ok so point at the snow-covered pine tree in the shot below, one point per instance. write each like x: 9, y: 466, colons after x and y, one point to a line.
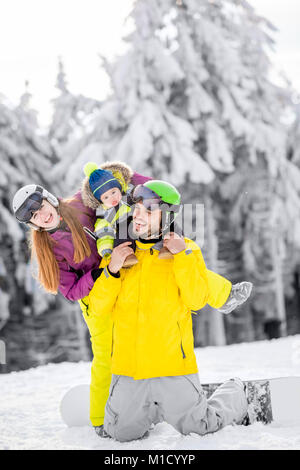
x: 206, y: 54
x: 34, y: 325
x: 294, y: 136
x: 71, y: 114
x: 135, y: 124
x: 190, y: 99
x: 236, y: 112
x: 180, y: 96
x: 25, y: 157
x: 265, y: 206
x: 293, y: 259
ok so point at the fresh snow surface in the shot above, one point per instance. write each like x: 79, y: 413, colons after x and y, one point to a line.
x: 29, y: 406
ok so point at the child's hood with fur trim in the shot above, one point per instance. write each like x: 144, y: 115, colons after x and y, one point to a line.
x: 120, y: 170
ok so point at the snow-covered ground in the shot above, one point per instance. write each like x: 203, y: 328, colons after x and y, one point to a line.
x: 29, y: 405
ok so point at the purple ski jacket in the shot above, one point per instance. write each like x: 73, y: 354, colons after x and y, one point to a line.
x: 76, y: 279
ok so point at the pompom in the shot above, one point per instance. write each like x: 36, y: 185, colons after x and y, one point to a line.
x: 89, y: 168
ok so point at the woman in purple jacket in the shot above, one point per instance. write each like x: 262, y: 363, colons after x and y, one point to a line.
x: 68, y: 262
x: 67, y: 259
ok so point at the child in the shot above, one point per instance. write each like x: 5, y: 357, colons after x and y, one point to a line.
x: 107, y: 188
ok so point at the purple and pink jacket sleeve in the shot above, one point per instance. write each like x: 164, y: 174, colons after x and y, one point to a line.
x: 139, y: 179
x: 71, y: 286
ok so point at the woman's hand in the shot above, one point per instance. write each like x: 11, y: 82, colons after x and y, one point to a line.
x: 118, y: 256
x: 174, y: 243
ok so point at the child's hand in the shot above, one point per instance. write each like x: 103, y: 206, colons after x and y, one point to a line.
x: 174, y: 243
x: 119, y: 255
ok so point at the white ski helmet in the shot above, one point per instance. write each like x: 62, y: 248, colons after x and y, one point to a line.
x: 28, y: 199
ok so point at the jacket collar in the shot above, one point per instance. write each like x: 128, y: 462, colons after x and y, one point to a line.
x: 60, y: 230
x: 155, y: 243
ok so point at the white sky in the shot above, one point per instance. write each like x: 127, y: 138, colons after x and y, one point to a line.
x: 33, y: 33
x: 285, y: 15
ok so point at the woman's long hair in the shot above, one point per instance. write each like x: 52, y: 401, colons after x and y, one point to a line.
x: 41, y: 245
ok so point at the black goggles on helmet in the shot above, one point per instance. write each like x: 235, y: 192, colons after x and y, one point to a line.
x: 150, y: 200
x: 29, y: 207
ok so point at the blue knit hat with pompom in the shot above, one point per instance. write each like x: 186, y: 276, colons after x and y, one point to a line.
x: 100, y: 180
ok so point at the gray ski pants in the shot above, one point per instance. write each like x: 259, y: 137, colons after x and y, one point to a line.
x: 133, y: 405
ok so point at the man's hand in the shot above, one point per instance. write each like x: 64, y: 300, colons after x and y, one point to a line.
x: 118, y: 256
x: 174, y: 243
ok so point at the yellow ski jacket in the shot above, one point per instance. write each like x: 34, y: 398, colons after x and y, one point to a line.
x: 150, y: 305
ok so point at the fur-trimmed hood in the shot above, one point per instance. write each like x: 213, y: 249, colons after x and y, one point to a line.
x: 120, y: 170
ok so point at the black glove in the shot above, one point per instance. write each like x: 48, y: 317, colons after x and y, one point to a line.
x: 99, y: 430
x: 96, y: 273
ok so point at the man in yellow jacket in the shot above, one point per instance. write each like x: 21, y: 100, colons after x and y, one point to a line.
x: 155, y: 374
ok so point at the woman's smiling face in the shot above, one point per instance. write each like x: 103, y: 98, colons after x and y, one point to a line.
x: 46, y: 217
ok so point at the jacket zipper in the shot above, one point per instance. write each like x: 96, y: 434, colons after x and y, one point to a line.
x: 112, y: 341
x: 182, y: 350
x: 86, y: 307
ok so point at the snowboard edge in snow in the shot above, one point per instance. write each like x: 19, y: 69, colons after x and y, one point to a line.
x: 276, y: 399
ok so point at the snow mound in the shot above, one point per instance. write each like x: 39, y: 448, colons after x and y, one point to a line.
x: 30, y: 419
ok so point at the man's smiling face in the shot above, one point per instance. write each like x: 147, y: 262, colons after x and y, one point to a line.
x: 146, y: 223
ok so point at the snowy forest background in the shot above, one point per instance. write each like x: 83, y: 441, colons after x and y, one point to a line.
x: 192, y: 102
